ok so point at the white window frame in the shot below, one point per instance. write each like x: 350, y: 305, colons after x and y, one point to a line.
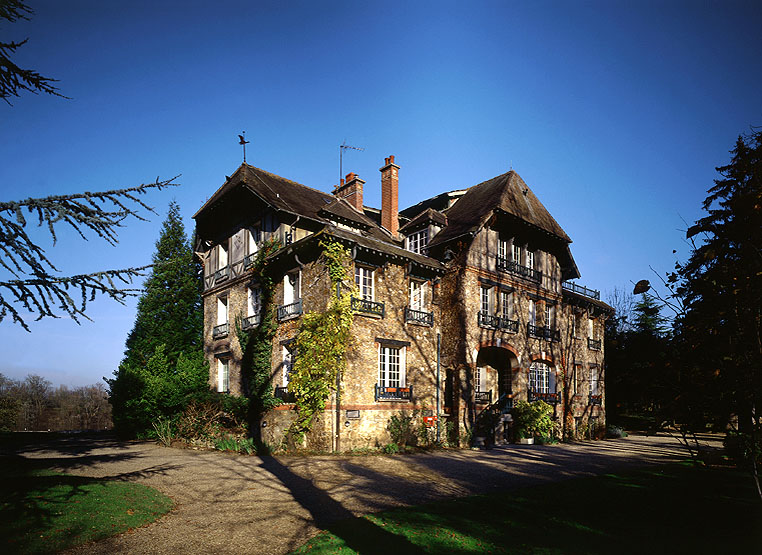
x: 541, y: 378
x: 480, y: 379
x: 487, y: 300
x: 223, y: 375
x: 365, y: 280
x: 591, y: 328
x: 550, y: 316
x: 502, y: 249
x: 390, y: 356
x: 222, y: 310
x: 292, y: 285
x: 417, y: 295
x: 530, y: 259
x: 222, y: 255
x: 516, y: 253
x: 253, y: 237
x: 288, y: 357
x: 506, y: 304
x: 595, y: 379
x: 576, y: 370
x: 417, y: 242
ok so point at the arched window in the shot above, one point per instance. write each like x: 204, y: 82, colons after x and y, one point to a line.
x: 542, y: 378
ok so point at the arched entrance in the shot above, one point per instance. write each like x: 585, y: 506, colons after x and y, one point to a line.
x: 494, y: 371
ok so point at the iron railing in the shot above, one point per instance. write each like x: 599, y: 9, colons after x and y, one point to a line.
x: 594, y: 344
x: 222, y: 274
x: 291, y: 310
x: 283, y: 394
x: 220, y: 331
x: 596, y: 399
x: 384, y: 393
x: 419, y: 316
x: 367, y: 306
x: 515, y: 268
x: 543, y: 333
x: 497, y: 322
x: 248, y: 260
x: 549, y: 397
x: 252, y: 321
x: 582, y: 290
x: 483, y: 397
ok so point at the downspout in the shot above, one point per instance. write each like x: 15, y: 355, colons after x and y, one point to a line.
x: 439, y: 343
x: 338, y: 394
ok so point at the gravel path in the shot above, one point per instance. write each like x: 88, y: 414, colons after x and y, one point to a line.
x: 240, y: 504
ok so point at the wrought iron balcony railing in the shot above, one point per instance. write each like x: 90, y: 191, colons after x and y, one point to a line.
x: 549, y: 397
x: 594, y: 344
x: 367, y: 306
x: 517, y: 269
x: 543, y: 333
x: 222, y: 274
x: 251, y: 321
x: 248, y: 260
x: 220, y: 331
x: 384, y: 393
x: 497, y: 322
x: 419, y: 316
x: 483, y: 397
x: 283, y: 394
x: 596, y: 399
x: 291, y: 310
x: 582, y: 290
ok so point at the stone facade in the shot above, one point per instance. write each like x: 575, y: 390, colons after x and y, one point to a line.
x: 451, y: 326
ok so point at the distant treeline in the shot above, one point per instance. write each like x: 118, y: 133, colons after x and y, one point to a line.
x: 34, y: 404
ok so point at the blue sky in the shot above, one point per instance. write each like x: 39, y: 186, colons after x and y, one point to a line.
x: 614, y: 113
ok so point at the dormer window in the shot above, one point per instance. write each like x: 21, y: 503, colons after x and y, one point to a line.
x: 416, y: 242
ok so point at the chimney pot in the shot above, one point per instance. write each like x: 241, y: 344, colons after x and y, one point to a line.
x: 390, y: 196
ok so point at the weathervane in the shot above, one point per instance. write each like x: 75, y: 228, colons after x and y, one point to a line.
x: 342, y: 147
x: 243, y: 142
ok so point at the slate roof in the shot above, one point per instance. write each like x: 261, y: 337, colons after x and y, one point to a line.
x: 506, y: 192
x: 428, y: 215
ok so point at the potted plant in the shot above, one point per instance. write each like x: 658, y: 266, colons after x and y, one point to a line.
x: 531, y: 420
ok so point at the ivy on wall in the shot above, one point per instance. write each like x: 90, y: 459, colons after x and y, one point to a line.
x: 321, y: 345
x: 256, y: 343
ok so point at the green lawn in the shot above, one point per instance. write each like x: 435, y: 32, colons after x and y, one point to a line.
x: 677, y: 509
x: 42, y: 511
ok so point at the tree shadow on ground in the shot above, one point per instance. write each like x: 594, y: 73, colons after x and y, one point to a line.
x: 328, y: 514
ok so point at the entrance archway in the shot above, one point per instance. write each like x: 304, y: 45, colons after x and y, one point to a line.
x: 500, y: 361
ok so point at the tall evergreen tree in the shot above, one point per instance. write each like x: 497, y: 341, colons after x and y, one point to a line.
x: 164, y: 365
x: 169, y: 310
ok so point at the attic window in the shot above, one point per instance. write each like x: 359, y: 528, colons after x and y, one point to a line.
x: 416, y: 242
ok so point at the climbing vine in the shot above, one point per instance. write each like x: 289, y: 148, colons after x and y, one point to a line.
x: 256, y: 343
x: 321, y: 345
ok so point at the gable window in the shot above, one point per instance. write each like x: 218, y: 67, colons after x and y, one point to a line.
x: 364, y: 282
x: 417, y: 295
x: 223, y: 375
x: 416, y: 242
x: 391, y: 366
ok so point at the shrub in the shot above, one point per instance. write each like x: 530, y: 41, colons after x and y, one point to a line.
x: 391, y: 448
x: 532, y: 419
x: 402, y: 428
x: 165, y: 430
x: 615, y: 432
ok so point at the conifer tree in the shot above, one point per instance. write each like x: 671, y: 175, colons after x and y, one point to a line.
x: 164, y: 364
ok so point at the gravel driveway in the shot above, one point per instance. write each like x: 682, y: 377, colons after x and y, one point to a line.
x: 242, y: 504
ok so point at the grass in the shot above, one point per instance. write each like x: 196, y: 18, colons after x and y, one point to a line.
x: 676, y: 509
x: 43, y: 511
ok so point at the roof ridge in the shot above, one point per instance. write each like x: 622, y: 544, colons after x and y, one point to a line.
x: 270, y: 174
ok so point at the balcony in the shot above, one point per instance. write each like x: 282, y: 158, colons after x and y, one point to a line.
x: 251, y: 321
x: 548, y: 397
x: 288, y: 311
x: 218, y: 332
x: 497, y: 322
x: 505, y: 265
x: 483, y: 397
x: 283, y: 394
x: 248, y: 260
x: 582, y: 290
x: 543, y: 333
x: 394, y: 393
x: 419, y: 317
x: 222, y: 274
x: 366, y: 306
x: 594, y: 344
x: 596, y: 400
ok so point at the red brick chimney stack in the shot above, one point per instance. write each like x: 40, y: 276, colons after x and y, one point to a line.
x: 351, y: 190
x: 390, y: 196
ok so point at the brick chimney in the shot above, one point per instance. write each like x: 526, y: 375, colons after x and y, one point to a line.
x: 351, y: 190
x: 390, y: 196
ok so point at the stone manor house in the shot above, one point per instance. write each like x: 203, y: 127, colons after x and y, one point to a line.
x: 464, y: 303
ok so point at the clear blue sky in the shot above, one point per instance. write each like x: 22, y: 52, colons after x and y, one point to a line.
x: 614, y: 113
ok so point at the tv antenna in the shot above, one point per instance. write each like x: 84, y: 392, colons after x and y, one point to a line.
x: 243, y: 142
x: 342, y: 147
